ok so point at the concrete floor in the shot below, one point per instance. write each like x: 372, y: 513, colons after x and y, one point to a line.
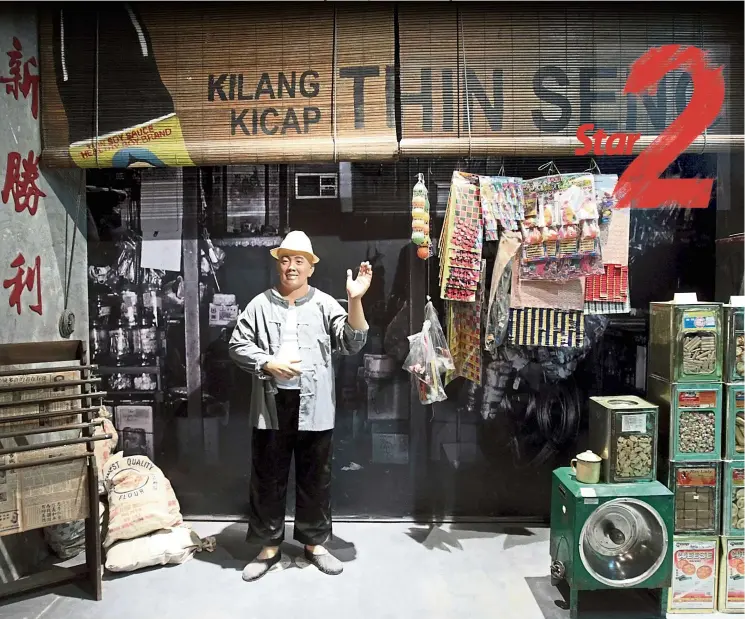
x: 391, y: 571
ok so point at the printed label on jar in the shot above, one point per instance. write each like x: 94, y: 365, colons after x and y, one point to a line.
x: 735, y: 575
x: 636, y: 422
x: 699, y: 320
x: 694, y: 575
x: 696, y: 477
x: 738, y: 477
x: 150, y: 299
x: 697, y: 399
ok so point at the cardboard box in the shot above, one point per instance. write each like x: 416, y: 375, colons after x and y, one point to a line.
x: 695, y: 571
x: 447, y: 432
x: 40, y: 496
x: 732, y: 576
x: 390, y: 448
x: 136, y: 428
x: 387, y: 400
x: 223, y: 315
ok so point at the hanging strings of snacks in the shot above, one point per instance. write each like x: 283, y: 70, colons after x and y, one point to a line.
x: 420, y: 218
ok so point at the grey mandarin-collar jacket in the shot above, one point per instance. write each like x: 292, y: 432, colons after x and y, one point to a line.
x: 322, y: 327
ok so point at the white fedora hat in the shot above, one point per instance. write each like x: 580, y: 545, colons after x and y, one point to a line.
x: 296, y: 242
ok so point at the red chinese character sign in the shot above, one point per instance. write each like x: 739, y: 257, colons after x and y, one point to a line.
x: 21, y: 176
x: 26, y: 279
x: 26, y: 83
x: 640, y: 186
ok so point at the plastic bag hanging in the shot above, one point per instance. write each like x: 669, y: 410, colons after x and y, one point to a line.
x: 420, y: 218
x: 437, y: 338
x: 421, y: 362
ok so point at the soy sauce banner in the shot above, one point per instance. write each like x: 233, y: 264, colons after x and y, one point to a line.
x: 213, y: 83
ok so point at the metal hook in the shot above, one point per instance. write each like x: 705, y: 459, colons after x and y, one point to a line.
x: 549, y: 166
x: 593, y: 166
x: 501, y: 170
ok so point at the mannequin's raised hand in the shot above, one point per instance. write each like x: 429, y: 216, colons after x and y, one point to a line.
x: 357, y: 287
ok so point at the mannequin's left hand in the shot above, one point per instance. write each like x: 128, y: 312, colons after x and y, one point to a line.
x: 357, y: 288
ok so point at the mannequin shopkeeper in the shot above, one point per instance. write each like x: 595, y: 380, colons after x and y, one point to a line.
x: 284, y: 339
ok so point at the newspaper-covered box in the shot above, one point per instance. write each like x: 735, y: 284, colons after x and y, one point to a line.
x: 51, y: 493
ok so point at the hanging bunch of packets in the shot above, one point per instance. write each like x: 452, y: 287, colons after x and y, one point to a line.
x: 464, y: 335
x: 560, y: 230
x: 501, y: 202
x: 461, y: 240
x: 608, y: 293
x: 533, y: 326
x: 420, y: 218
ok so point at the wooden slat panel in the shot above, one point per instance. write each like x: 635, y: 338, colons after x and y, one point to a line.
x: 365, y: 119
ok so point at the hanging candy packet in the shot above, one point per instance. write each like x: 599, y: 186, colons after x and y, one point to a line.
x: 420, y: 218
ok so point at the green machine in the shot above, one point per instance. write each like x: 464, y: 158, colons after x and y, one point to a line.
x: 610, y: 536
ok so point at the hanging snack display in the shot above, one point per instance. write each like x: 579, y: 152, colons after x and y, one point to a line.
x: 623, y: 430
x: 461, y: 240
x: 546, y: 327
x: 734, y: 343
x: 608, y: 293
x: 420, y: 218
x: 685, y: 341
x: 734, y: 499
x: 605, y: 186
x: 735, y: 422
x: 464, y: 336
x: 697, y: 489
x: 694, y: 582
x: 560, y: 230
x: 502, y: 204
x: 690, y: 419
x: 732, y: 576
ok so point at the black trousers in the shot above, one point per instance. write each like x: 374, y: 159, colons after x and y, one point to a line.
x: 272, y: 455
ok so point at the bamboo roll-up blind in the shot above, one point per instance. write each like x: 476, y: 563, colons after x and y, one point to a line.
x: 220, y: 84
x: 365, y: 82
x: 537, y: 72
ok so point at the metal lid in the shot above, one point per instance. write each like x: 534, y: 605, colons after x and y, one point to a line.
x: 589, y: 456
x: 623, y: 542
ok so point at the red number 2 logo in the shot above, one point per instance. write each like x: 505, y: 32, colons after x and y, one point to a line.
x: 640, y: 185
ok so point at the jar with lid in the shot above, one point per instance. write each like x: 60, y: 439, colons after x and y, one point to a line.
x: 99, y: 340
x: 145, y: 381
x: 129, y: 308
x: 103, y: 309
x: 120, y: 381
x: 152, y: 304
x: 145, y: 342
x: 120, y: 342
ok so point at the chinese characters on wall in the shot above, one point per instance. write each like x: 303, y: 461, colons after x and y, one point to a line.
x: 20, y: 186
